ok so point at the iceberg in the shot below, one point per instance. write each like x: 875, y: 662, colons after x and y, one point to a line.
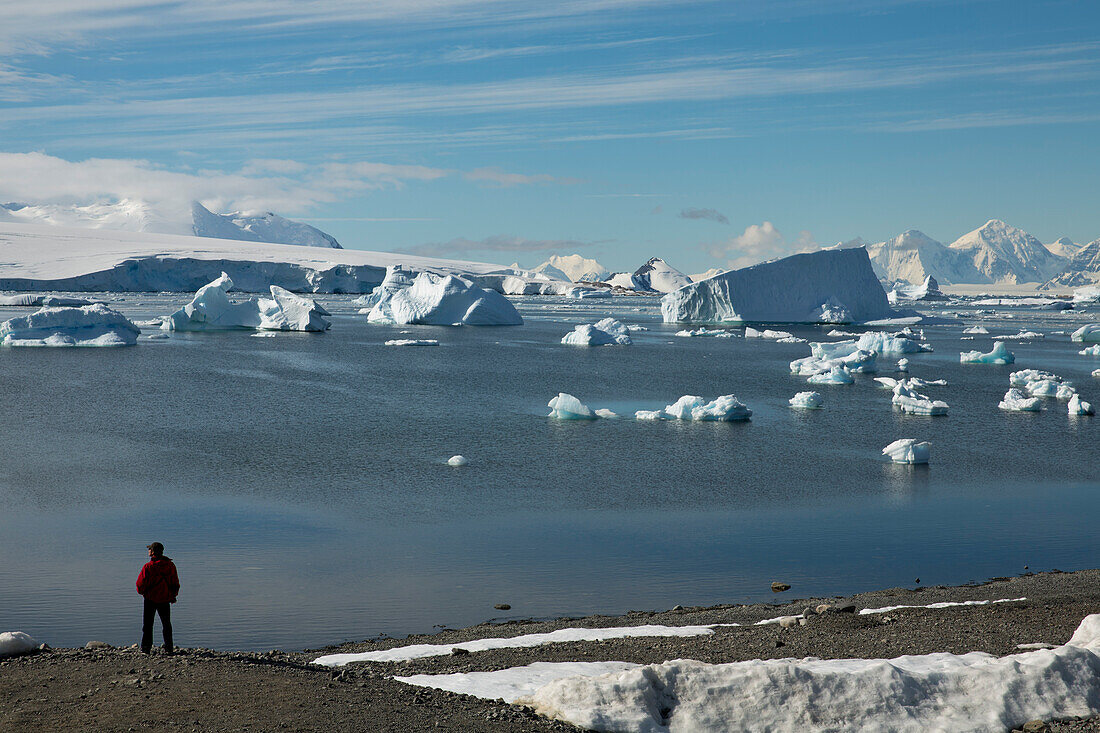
x: 1078, y: 406
x: 807, y: 401
x: 715, y: 332
x: 788, y: 290
x: 607, y: 332
x: 1017, y: 401
x: 1025, y: 376
x: 884, y: 343
x: 89, y: 325
x: 655, y: 276
x: 29, y: 300
x: 833, y: 311
x: 567, y: 407
x: 977, y: 329
x: 835, y: 375
x: 1089, y: 333
x: 908, y: 450
x: 412, y: 342
x: 726, y: 408
x: 826, y: 356
x: 438, y: 300
x: 928, y: 290
x: 913, y: 403
x: 1093, y: 350
x: 1023, y: 336
x: 211, y: 310
x: 649, y: 415
x: 752, y: 333
x: 457, y: 461
x: 999, y: 355
x: 586, y: 293
x: 1086, y: 295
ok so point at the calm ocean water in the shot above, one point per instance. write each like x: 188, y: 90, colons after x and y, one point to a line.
x: 300, y: 482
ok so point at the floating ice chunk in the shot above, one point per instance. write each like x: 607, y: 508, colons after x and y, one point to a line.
x: 790, y: 340
x: 1023, y: 336
x: 606, y: 414
x: 716, y: 332
x: 13, y: 643
x: 649, y: 415
x: 567, y: 407
x: 586, y: 293
x: 919, y: 383
x: 903, y: 365
x: 89, y: 325
x: 26, y: 300
x: 439, y: 300
x: 884, y: 343
x: 908, y: 450
x: 607, y: 332
x: 976, y: 329
x: 825, y: 356
x: 914, y: 403
x: 1089, y: 333
x: 999, y: 355
x: 1026, y: 376
x: 156, y: 336
x: 1042, y: 388
x: 264, y: 335
x: 807, y: 400
x: 681, y: 409
x: 1093, y: 350
x: 726, y: 408
x: 1065, y: 391
x: 1017, y: 401
x: 457, y: 461
x: 887, y: 382
x: 752, y: 333
x: 412, y: 342
x: 1096, y: 373
x: 1078, y: 406
x: 211, y: 309
x: 835, y: 375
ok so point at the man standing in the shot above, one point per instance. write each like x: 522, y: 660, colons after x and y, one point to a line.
x: 160, y: 585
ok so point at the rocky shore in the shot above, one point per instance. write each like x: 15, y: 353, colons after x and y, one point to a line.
x: 109, y: 689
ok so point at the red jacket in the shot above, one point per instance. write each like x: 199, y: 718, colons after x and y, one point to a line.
x: 158, y: 581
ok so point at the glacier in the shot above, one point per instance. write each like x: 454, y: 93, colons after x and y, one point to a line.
x: 89, y: 325
x: 211, y: 310
x: 439, y: 300
x: 789, y: 290
x: 908, y: 450
x: 607, y: 332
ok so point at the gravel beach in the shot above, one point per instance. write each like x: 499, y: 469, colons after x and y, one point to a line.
x: 108, y: 689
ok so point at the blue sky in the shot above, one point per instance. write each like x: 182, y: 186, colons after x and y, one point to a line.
x: 709, y: 133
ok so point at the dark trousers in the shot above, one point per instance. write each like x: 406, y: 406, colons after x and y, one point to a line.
x: 164, y: 610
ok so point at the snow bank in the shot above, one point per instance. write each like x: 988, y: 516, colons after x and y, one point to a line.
x: 1017, y: 401
x: 607, y: 332
x: 560, y: 636
x: 438, y: 300
x: 16, y: 642
x: 807, y: 401
x: 973, y: 692
x: 908, y: 450
x: 914, y: 403
x: 211, y: 310
x: 1078, y: 406
x: 513, y: 683
x: 790, y: 290
x: 89, y: 325
x: 1089, y: 333
x: 999, y: 355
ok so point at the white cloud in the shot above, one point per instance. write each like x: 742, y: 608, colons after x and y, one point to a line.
x: 760, y: 242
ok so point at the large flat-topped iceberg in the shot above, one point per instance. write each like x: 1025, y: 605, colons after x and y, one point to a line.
x: 801, y: 288
x: 439, y: 300
x: 211, y: 310
x: 89, y: 325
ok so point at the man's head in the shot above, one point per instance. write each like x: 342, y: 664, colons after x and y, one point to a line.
x: 156, y: 549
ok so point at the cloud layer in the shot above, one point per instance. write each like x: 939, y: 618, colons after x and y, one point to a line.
x: 759, y: 242
x: 708, y: 214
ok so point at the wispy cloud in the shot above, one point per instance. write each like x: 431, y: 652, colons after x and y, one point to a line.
x: 707, y: 214
x: 759, y: 242
x: 499, y: 243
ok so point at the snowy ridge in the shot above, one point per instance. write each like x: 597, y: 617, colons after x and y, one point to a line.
x: 913, y: 256
x: 655, y: 276
x: 257, y: 227
x: 1003, y: 253
x: 574, y: 267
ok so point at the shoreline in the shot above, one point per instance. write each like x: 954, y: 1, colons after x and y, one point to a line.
x: 202, y: 689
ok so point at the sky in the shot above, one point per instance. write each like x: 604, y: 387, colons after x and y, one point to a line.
x: 713, y: 134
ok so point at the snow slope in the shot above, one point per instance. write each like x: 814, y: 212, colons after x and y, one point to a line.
x: 788, y: 290
x: 1003, y: 253
x: 655, y: 276
x: 574, y: 267
x: 913, y: 256
x: 47, y: 257
x: 1064, y: 247
x: 256, y: 227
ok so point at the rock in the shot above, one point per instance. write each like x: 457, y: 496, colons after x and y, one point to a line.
x: 807, y: 612
x: 802, y: 621
x: 677, y: 607
x: 97, y: 645
x: 846, y: 609
x: 1035, y: 726
x: 824, y: 608
x: 459, y: 651
x: 502, y: 607
x: 778, y: 587
x: 779, y: 643
x: 788, y: 622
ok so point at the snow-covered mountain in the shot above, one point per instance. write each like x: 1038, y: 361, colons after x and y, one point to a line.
x: 1064, y: 247
x: 912, y: 256
x: 574, y: 267
x: 698, y: 277
x: 1005, y: 254
x: 655, y: 276
x: 1083, y: 268
x: 136, y: 215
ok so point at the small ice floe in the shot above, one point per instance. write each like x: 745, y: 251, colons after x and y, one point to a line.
x: 837, y: 333
x: 1023, y: 336
x: 587, y: 293
x: 999, y: 355
x: 649, y: 415
x: 13, y: 643
x: 1017, y: 401
x: 264, y: 335
x: 607, y: 414
x: 607, y: 332
x: 1093, y: 350
x: 1096, y: 373
x: 715, y: 332
x: 807, y: 401
x: 966, y: 338
x: 1050, y: 388
x: 211, y: 310
x: 412, y: 342
x: 457, y: 461
x: 1089, y: 333
x: 790, y: 340
x: 636, y: 327
x: 903, y: 365
x: 913, y: 403
x: 726, y: 408
x: 1025, y: 377
x: 1078, y: 406
x: 886, y: 344
x: 825, y: 355
x: 976, y: 329
x: 908, y: 450
x: 835, y: 375
x: 156, y: 336
x: 151, y: 323
x: 752, y: 333
x: 89, y: 325
x: 567, y: 407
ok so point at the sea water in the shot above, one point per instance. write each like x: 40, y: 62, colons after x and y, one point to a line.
x: 301, y: 483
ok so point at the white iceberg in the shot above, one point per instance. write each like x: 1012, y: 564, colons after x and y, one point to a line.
x: 885, y: 344
x: 567, y: 407
x: 928, y: 290
x: 1023, y: 336
x: 807, y: 401
x: 1017, y: 401
x: 586, y: 293
x: 13, y: 643
x: 1089, y: 294
x: 833, y: 311
x: 1093, y: 350
x: 715, y: 332
x: 27, y: 300
x: 412, y: 342
x: 767, y: 333
x: 977, y: 329
x: 908, y: 450
x: 789, y: 290
x: 834, y: 375
x: 999, y: 355
x: 438, y: 300
x: 1025, y: 377
x: 1078, y: 406
x: 607, y: 332
x: 826, y: 356
x: 649, y: 415
x: 89, y: 325
x: 1089, y: 333
x: 457, y: 461
x: 211, y: 310
x: 655, y: 276
x: 913, y: 403
x: 726, y: 408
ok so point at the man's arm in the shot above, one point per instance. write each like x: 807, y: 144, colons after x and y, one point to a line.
x: 174, y: 582
x: 141, y: 581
